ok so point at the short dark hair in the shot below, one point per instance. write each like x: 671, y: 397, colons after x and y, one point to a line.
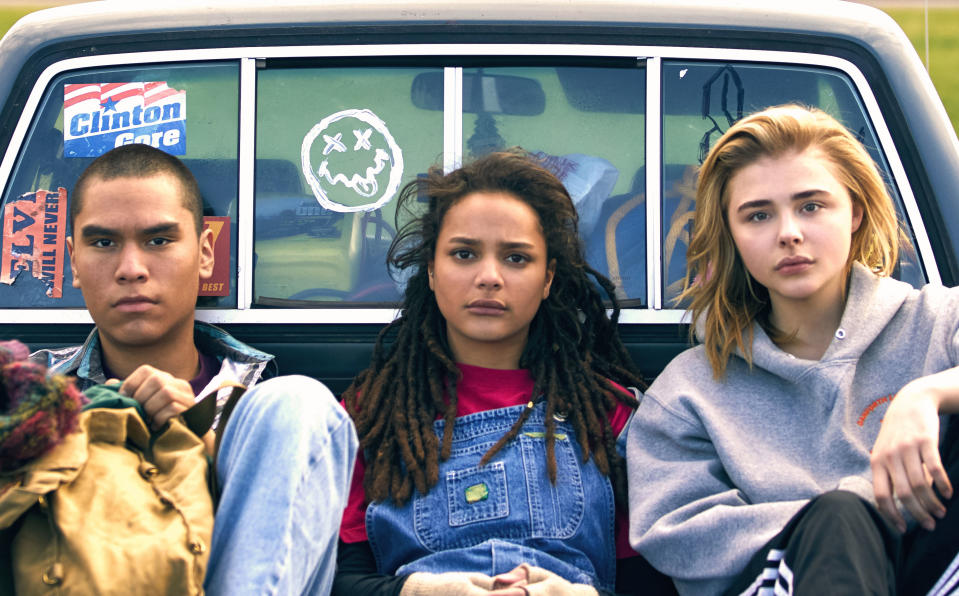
x: 140, y: 161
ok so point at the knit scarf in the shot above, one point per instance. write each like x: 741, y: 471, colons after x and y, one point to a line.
x: 36, y: 411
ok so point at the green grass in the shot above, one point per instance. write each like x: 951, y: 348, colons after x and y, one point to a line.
x: 11, y: 14
x: 943, y: 44
x: 943, y: 49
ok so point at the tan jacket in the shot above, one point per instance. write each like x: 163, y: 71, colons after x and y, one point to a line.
x: 106, y: 512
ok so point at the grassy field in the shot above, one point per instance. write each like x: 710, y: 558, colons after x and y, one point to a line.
x: 11, y: 14
x: 943, y: 49
x: 943, y: 44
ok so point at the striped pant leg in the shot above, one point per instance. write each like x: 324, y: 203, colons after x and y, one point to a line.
x: 837, y: 544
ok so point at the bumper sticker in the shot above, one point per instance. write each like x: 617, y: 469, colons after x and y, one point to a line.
x: 219, y: 282
x: 100, y: 116
x: 34, y: 228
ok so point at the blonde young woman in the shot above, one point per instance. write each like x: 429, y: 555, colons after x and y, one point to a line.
x: 800, y: 447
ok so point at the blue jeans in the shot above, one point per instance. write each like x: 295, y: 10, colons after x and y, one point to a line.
x: 285, y: 463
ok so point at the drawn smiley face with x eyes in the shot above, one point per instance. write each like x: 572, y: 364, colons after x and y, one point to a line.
x: 356, y: 158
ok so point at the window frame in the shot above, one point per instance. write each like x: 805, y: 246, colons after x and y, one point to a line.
x: 652, y: 56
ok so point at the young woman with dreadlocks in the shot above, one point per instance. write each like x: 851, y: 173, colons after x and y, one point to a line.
x: 489, y: 416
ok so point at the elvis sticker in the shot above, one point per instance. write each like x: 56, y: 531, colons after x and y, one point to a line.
x: 34, y: 228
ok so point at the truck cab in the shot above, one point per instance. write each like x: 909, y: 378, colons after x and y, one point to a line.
x: 301, y: 122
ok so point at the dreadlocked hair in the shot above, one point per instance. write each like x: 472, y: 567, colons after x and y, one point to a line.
x: 573, y: 350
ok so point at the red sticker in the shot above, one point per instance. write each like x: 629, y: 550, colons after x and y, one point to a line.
x: 34, y: 227
x: 219, y: 283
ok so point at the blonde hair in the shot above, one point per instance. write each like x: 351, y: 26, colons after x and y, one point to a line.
x: 723, y: 297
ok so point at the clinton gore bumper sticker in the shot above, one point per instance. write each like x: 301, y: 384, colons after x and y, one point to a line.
x: 100, y: 116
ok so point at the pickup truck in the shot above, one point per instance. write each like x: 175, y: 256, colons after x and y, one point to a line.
x: 301, y: 120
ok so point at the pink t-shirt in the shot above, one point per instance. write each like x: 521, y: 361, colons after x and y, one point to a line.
x: 479, y: 390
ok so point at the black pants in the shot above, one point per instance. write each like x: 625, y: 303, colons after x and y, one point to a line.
x: 840, y: 544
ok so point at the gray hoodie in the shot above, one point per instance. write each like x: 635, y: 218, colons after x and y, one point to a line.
x: 717, y: 468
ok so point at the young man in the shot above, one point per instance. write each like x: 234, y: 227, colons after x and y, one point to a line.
x: 138, y: 253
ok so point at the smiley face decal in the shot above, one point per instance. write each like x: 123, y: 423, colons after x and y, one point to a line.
x: 351, y: 161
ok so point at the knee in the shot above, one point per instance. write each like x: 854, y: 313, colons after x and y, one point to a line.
x: 840, y: 509
x: 836, y: 500
x: 293, y: 395
x: 291, y: 405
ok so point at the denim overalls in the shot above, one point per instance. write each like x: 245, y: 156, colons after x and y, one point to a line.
x: 493, y: 518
